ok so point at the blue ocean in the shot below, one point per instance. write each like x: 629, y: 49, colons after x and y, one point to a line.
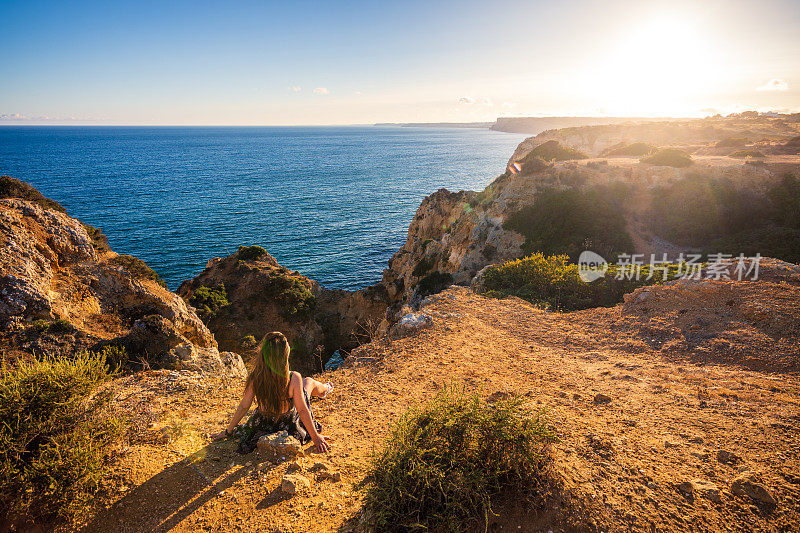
x: 331, y: 202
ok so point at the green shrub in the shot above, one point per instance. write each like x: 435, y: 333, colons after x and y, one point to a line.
x: 12, y: 188
x: 208, y: 301
x: 56, y: 327
x: 572, y: 220
x: 99, y: 239
x: 551, y: 151
x: 769, y: 241
x: 669, y: 157
x: 249, y: 342
x: 249, y: 253
x: 732, y: 142
x: 698, y: 209
x: 137, y: 268
x: 434, y: 282
x: 291, y: 293
x: 444, y: 462
x: 423, y: 266
x: 53, y: 438
x: 785, y: 200
x: 746, y: 153
x: 637, y: 149
x: 554, y: 283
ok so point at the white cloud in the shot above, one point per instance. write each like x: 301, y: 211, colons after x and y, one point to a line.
x: 774, y: 84
x: 321, y: 90
x: 509, y: 105
x: 468, y: 100
x: 295, y: 88
x: 358, y: 93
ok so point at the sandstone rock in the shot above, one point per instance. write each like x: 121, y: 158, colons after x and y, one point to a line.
x: 292, y: 484
x: 280, y: 446
x: 748, y: 484
x: 51, y: 269
x: 726, y: 457
x: 334, y: 476
x: 264, y: 296
x: 701, y: 488
x: 409, y: 324
x: 601, y: 398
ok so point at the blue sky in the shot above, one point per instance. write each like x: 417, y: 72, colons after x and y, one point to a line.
x: 364, y: 62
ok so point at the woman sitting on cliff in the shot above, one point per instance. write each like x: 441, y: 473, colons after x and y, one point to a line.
x: 282, y: 397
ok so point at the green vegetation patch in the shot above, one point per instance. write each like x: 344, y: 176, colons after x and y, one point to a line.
x: 669, y: 157
x: 554, y: 283
x: 208, y: 301
x: 291, y: 293
x: 550, y: 151
x: 717, y: 216
x: 637, y: 149
x: 446, y: 460
x: 572, y: 220
x: 99, y: 239
x: 55, y: 432
x: 732, y: 142
x: 13, y: 188
x: 55, y: 327
x: 434, y: 282
x: 746, y: 153
x: 137, y: 268
x: 249, y: 253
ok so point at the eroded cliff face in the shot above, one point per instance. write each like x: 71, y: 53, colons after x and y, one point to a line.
x: 61, y: 292
x: 454, y: 235
x: 255, y: 295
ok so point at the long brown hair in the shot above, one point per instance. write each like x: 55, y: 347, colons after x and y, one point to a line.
x: 270, y: 374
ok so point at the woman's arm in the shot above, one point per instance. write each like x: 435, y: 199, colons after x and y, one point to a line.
x: 241, y: 410
x: 296, y: 385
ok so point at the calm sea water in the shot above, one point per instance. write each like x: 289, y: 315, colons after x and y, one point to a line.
x: 331, y: 202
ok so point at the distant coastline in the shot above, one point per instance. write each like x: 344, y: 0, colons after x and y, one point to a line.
x: 467, y: 125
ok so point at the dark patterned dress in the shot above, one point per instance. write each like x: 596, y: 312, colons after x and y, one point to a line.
x: 260, y: 424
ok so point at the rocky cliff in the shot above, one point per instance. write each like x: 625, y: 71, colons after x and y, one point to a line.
x: 612, y: 204
x: 63, y: 291
x: 247, y: 294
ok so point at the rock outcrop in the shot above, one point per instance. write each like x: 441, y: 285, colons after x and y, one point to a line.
x: 62, y: 291
x: 454, y: 235
x: 248, y: 294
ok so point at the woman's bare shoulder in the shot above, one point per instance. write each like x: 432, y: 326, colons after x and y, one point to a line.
x: 295, y: 382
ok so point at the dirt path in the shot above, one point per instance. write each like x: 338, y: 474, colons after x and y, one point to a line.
x: 621, y: 460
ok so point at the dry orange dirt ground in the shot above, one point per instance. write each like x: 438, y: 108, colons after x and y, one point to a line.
x: 621, y: 461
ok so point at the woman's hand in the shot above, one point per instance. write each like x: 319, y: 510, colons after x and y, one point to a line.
x: 321, y: 442
x: 221, y: 435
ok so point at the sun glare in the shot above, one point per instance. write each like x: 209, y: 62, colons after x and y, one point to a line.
x: 659, y: 68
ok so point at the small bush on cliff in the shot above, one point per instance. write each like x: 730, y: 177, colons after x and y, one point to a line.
x: 572, y: 220
x: 554, y: 283
x: 208, y: 301
x: 637, y: 149
x: 433, y: 283
x: 12, y: 188
x: 746, y: 153
x: 54, y: 435
x: 99, y: 239
x: 552, y: 151
x: 444, y: 462
x: 291, y: 293
x: 732, y: 142
x: 137, y: 268
x: 669, y: 157
x: 249, y: 253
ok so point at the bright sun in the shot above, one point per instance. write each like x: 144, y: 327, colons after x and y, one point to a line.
x: 657, y: 69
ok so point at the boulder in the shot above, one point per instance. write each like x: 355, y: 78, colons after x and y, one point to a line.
x: 280, y: 446
x: 409, y: 324
x: 748, y: 484
x: 292, y: 484
x: 701, y: 488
